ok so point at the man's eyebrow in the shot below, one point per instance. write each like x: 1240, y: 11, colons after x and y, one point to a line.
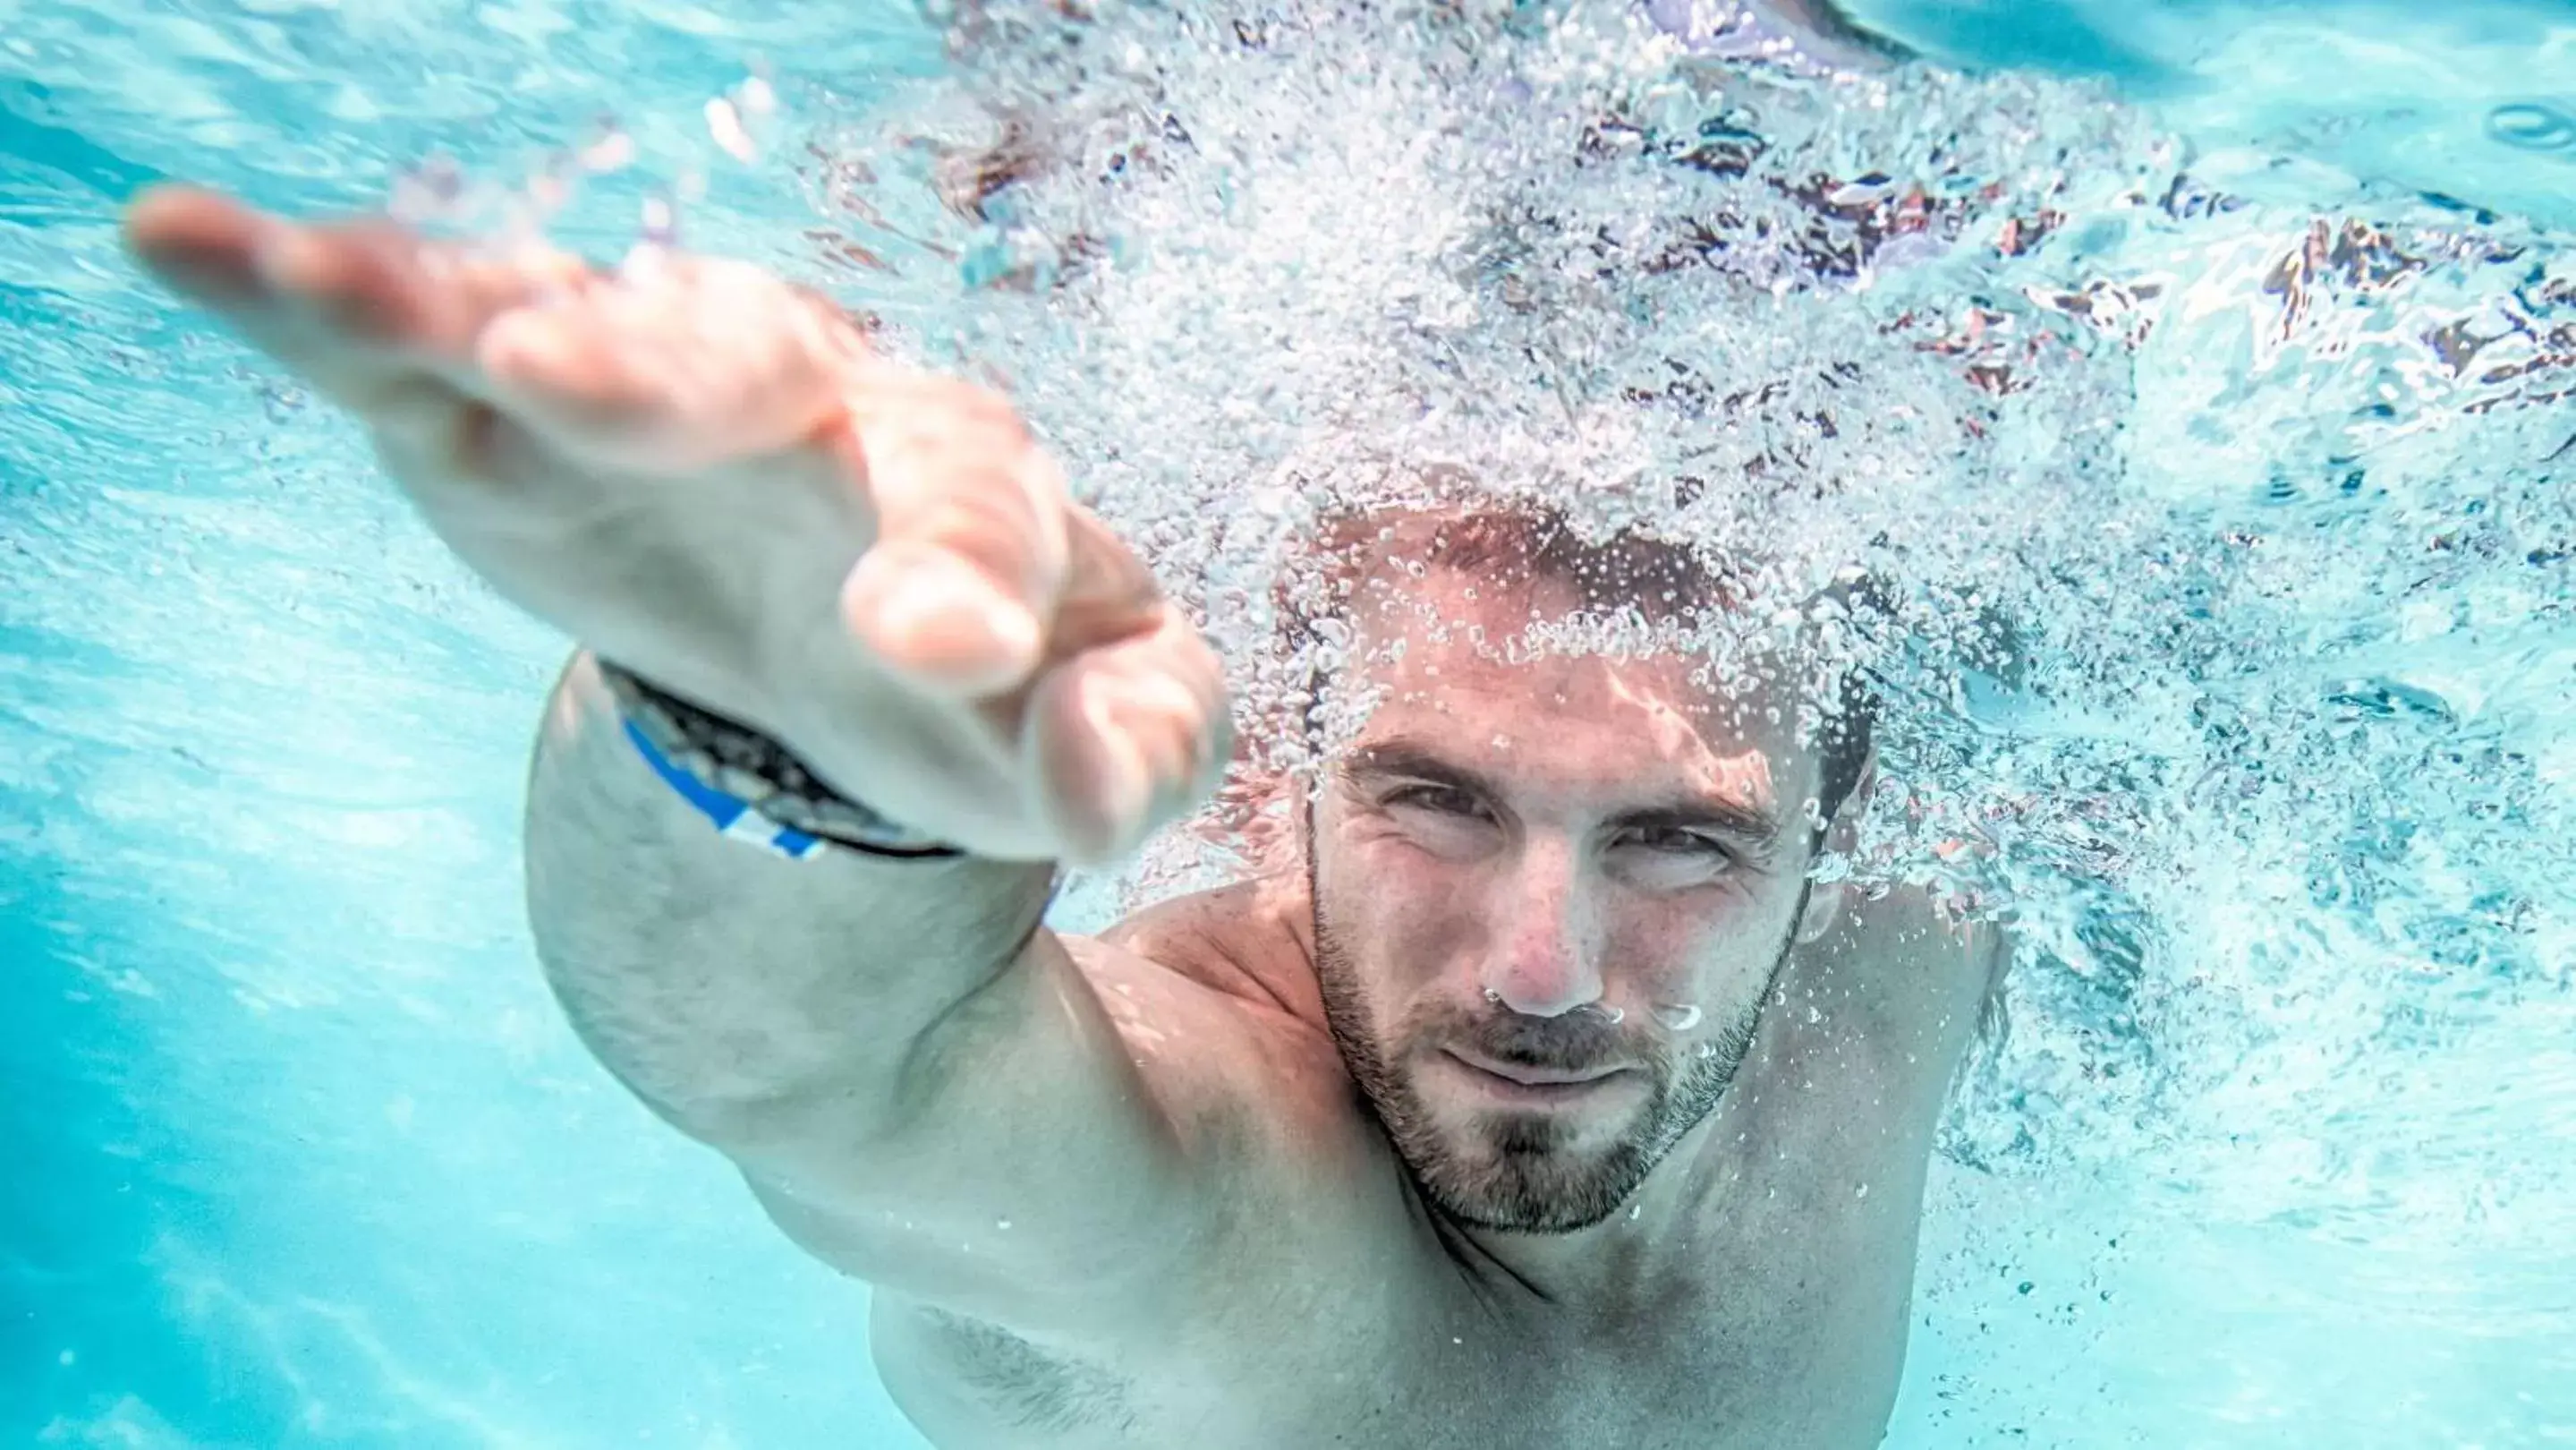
x: 1414, y: 762
x: 1749, y: 824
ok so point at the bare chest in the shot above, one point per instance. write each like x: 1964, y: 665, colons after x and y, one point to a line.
x: 1793, y: 1336
x: 1338, y: 1318
x: 1773, y: 1358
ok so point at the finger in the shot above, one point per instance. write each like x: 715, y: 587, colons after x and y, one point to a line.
x: 1126, y: 738
x: 1109, y: 594
x: 352, y: 307
x: 218, y: 253
x: 971, y: 551
x: 674, y: 366
x: 201, y: 245
x: 570, y: 369
x: 372, y: 285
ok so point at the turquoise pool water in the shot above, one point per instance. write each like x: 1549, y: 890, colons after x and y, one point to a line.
x: 2266, y: 319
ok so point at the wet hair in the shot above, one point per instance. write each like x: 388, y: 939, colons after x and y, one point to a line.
x: 1534, y: 543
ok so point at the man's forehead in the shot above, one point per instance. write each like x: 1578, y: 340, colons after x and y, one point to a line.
x: 1455, y: 666
x: 1530, y: 643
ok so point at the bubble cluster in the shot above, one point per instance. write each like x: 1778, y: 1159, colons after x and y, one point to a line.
x: 2218, y: 548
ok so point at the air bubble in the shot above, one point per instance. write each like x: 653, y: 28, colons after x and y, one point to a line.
x: 431, y: 193
x: 1678, y: 1016
x: 609, y: 149
x: 724, y: 124
x: 661, y: 222
x: 1618, y: 323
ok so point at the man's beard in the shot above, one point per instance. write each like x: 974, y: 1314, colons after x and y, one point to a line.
x: 1522, y: 1177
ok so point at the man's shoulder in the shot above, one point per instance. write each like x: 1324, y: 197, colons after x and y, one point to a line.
x: 1925, y: 973
x: 1216, y: 993
x: 1907, y: 926
x: 1249, y: 940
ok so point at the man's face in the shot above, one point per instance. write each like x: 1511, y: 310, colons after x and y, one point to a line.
x: 1550, y: 897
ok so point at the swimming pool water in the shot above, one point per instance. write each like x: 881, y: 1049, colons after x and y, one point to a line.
x: 2277, y: 1149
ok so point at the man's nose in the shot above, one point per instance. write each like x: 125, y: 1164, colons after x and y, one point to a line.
x: 1544, y: 964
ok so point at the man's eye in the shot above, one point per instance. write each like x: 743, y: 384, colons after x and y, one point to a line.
x: 1439, y: 799
x: 1675, y: 841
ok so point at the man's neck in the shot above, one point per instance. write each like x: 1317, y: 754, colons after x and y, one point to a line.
x: 1650, y: 1249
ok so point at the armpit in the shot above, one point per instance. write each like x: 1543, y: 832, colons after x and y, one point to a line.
x: 1033, y: 1389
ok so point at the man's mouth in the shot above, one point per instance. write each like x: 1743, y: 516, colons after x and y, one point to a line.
x: 1524, y: 1082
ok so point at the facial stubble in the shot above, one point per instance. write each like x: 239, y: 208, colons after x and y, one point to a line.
x: 1523, y: 1177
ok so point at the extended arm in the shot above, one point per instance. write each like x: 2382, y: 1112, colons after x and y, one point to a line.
x: 896, y: 1055
x: 706, y: 475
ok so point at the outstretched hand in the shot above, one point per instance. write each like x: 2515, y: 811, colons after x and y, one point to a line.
x: 707, y: 475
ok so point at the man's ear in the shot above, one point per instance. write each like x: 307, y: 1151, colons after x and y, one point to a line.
x: 1825, y: 904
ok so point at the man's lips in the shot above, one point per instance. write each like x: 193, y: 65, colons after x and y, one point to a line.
x: 1528, y: 1076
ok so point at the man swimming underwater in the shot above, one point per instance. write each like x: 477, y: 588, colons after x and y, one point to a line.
x: 1547, y: 1102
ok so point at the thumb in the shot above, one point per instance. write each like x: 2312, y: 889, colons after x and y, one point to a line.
x: 958, y: 590
x: 1127, y: 736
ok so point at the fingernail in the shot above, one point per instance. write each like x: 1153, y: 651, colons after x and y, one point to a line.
x: 289, y: 260
x: 946, y: 617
